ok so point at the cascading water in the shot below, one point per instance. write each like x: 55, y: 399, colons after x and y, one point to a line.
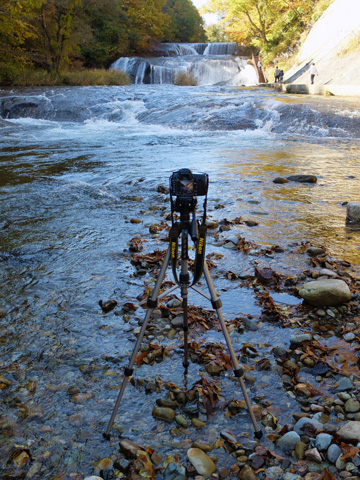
x: 208, y: 63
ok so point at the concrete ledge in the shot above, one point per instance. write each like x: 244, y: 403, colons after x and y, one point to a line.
x: 302, y: 88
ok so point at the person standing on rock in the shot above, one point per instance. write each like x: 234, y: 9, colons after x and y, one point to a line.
x: 313, y: 72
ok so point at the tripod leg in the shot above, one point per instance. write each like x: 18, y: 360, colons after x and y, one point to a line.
x: 238, y: 372
x: 184, y: 280
x: 152, y: 303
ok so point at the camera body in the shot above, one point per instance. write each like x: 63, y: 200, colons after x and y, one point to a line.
x: 184, y: 183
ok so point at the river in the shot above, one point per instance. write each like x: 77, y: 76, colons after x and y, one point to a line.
x: 78, y: 165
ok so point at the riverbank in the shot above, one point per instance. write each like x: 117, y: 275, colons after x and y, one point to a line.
x: 328, y: 90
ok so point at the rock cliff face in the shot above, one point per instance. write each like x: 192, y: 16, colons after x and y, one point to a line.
x: 337, y: 31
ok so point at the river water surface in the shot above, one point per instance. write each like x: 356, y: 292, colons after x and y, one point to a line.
x: 77, y: 165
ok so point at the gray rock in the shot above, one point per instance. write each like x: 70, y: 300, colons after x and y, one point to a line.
x: 344, y: 384
x: 352, y: 405
x: 175, y: 471
x: 315, y: 251
x: 349, y: 337
x: 274, y: 473
x: 300, y: 338
x: 350, y: 432
x: 249, y: 324
x: 323, y: 441
x: 201, y: 462
x: 288, y: 441
x: 177, y: 321
x: 333, y: 453
x: 325, y: 292
x: 353, y: 213
x: 303, y: 422
x: 280, y: 180
x: 291, y: 476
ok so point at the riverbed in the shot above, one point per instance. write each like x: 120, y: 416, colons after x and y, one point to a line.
x: 79, y: 176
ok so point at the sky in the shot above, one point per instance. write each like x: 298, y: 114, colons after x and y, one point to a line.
x: 209, y: 18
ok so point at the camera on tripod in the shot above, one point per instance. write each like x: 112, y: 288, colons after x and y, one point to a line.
x: 184, y: 183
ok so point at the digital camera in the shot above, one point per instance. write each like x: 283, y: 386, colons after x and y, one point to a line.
x: 184, y: 183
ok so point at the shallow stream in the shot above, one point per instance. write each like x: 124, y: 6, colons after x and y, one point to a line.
x: 77, y: 165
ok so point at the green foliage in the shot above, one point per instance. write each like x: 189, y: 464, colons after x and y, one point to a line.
x: 186, y: 24
x: 269, y: 26
x: 58, y: 35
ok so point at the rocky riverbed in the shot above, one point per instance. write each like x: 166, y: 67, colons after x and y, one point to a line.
x: 317, y: 439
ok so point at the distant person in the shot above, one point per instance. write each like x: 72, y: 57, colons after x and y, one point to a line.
x: 259, y: 65
x: 277, y: 74
x: 313, y: 72
x: 281, y: 76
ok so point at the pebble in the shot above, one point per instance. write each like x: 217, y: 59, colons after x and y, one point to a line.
x: 313, y: 455
x: 300, y: 450
x: 344, y: 384
x: 175, y: 471
x: 322, y: 442
x: 300, y: 424
x: 201, y: 462
x: 350, y: 432
x: 288, y: 441
x: 274, y: 473
x: 300, y: 338
x: 164, y: 413
x: 352, y: 405
x: 333, y: 453
x: 197, y: 423
x: 247, y: 473
x: 348, y: 337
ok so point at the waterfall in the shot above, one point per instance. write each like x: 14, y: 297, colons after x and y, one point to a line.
x: 208, y: 63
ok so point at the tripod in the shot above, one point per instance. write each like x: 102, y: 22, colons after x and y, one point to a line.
x: 183, y: 229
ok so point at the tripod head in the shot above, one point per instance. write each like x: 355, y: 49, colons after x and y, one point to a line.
x: 186, y: 187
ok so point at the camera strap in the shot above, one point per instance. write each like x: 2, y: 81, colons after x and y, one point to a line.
x: 200, y: 244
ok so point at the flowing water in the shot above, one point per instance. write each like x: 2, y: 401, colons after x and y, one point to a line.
x: 77, y: 165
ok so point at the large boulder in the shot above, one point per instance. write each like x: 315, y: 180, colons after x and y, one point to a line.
x: 328, y: 292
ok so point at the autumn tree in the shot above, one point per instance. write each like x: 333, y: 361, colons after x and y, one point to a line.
x: 186, y: 24
x: 261, y: 23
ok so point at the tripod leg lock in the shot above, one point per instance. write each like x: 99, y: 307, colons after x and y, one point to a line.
x: 151, y: 303
x: 239, y: 372
x: 128, y: 372
x: 216, y: 304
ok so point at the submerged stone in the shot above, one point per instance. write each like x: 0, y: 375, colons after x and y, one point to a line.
x: 201, y: 462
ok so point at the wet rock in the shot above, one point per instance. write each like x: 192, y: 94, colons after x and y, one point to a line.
x: 93, y: 477
x: 201, y: 462
x: 333, y: 453
x: 129, y: 449
x: 288, y: 441
x: 350, y: 432
x: 349, y: 337
x: 108, y: 305
x: 205, y: 447
x: 249, y: 324
x: 228, y: 436
x: 247, y: 473
x: 162, y: 189
x: 325, y: 292
x: 281, y: 180
x: 166, y: 402
x: 323, y: 441
x: 353, y: 213
x: 181, y: 420
x: 302, y: 178
x: 315, y: 251
x: 164, y: 413
x: 265, y: 275
x: 291, y: 476
x: 294, y: 339
x: 304, y: 425
x: 352, y: 405
x: 177, y: 322
x: 300, y: 450
x: 256, y: 461
x: 197, y: 423
x: 175, y: 471
x: 274, y: 473
x: 135, y: 220
x: 344, y: 384
x: 313, y: 455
